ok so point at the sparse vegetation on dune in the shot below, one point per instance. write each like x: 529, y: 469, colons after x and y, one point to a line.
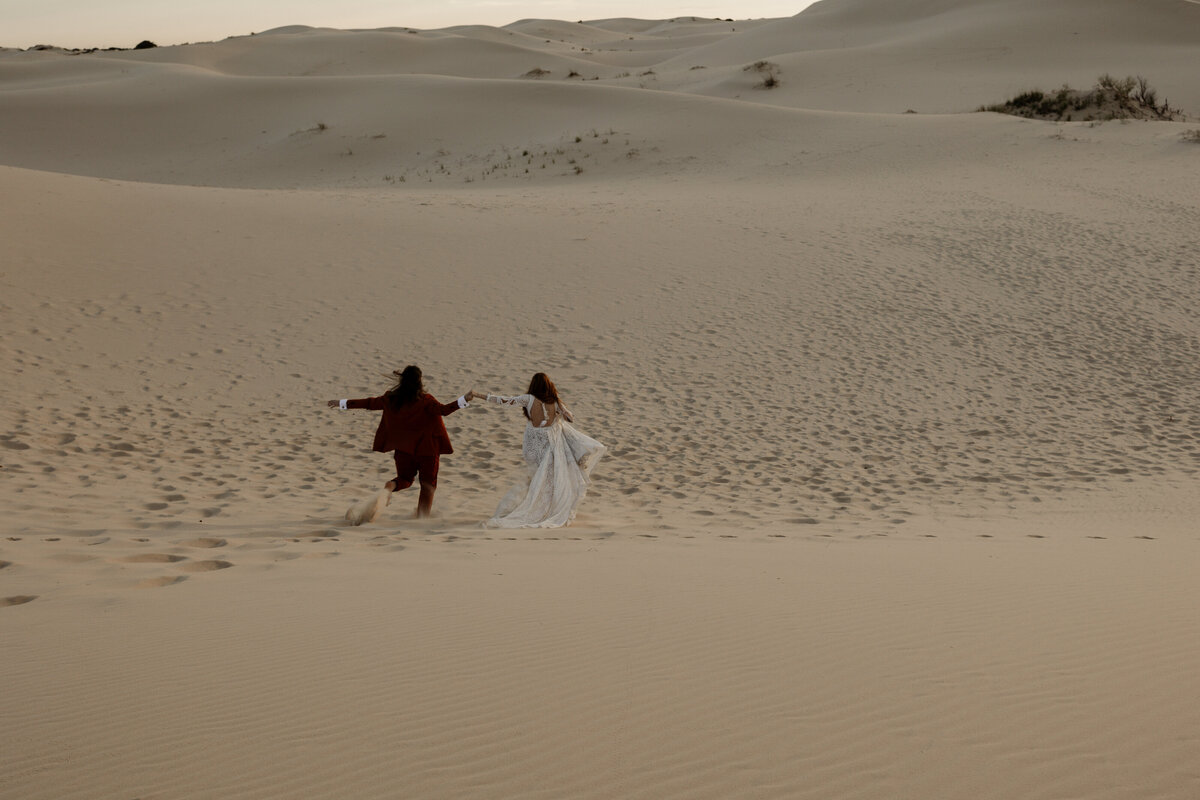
x: 563, y: 158
x: 320, y: 127
x: 1111, y: 98
x: 769, y: 72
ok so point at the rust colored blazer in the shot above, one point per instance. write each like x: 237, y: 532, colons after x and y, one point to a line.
x: 416, y: 428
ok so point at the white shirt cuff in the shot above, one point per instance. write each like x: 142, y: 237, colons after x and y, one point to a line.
x: 462, y: 402
x: 342, y: 405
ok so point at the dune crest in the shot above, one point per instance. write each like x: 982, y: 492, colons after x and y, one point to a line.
x: 433, y: 106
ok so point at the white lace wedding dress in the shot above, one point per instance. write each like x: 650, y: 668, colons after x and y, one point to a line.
x: 558, y: 465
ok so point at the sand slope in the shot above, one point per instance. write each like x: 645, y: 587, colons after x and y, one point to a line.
x: 869, y: 669
x: 827, y: 358
x: 900, y: 496
x: 939, y: 57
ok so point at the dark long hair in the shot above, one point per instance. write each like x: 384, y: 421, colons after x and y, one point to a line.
x: 407, y: 389
x: 541, y: 387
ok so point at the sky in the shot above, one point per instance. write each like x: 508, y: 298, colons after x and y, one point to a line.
x: 124, y: 23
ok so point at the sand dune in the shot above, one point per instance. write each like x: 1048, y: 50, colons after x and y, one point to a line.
x: 310, y: 108
x: 932, y: 673
x: 898, y: 358
x: 942, y: 57
x: 474, y: 53
x: 899, y: 498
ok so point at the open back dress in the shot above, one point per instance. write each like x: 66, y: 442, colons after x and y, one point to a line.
x: 557, y: 470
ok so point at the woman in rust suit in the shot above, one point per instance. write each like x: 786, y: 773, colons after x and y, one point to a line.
x: 412, y: 427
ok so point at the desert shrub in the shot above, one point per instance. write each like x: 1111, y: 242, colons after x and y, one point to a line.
x: 145, y: 44
x: 1055, y: 105
x: 769, y: 71
x: 1191, y: 136
x: 1144, y: 94
x: 1119, y: 88
x: 320, y: 127
x: 1111, y: 98
x: 536, y: 72
x: 1027, y: 99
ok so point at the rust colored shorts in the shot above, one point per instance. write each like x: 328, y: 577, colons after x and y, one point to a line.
x: 409, y: 466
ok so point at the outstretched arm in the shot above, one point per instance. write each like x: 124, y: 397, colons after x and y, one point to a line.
x: 449, y: 408
x: 370, y: 403
x: 519, y: 401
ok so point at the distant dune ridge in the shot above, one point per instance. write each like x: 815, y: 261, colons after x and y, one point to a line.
x: 900, y: 408
x: 394, y: 99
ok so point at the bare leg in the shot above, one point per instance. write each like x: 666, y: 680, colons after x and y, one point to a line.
x: 425, y: 501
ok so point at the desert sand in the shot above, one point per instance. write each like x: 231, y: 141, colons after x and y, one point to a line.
x: 901, y: 408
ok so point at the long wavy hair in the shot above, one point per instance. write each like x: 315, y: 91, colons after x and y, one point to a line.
x: 541, y: 387
x: 408, y: 387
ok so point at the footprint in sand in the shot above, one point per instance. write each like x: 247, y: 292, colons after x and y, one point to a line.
x: 152, y: 558
x: 205, y: 542
x: 206, y: 566
x: 73, y: 558
x: 166, y: 580
x: 17, y: 599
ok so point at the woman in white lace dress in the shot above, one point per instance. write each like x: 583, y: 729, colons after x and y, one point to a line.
x: 558, y: 461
